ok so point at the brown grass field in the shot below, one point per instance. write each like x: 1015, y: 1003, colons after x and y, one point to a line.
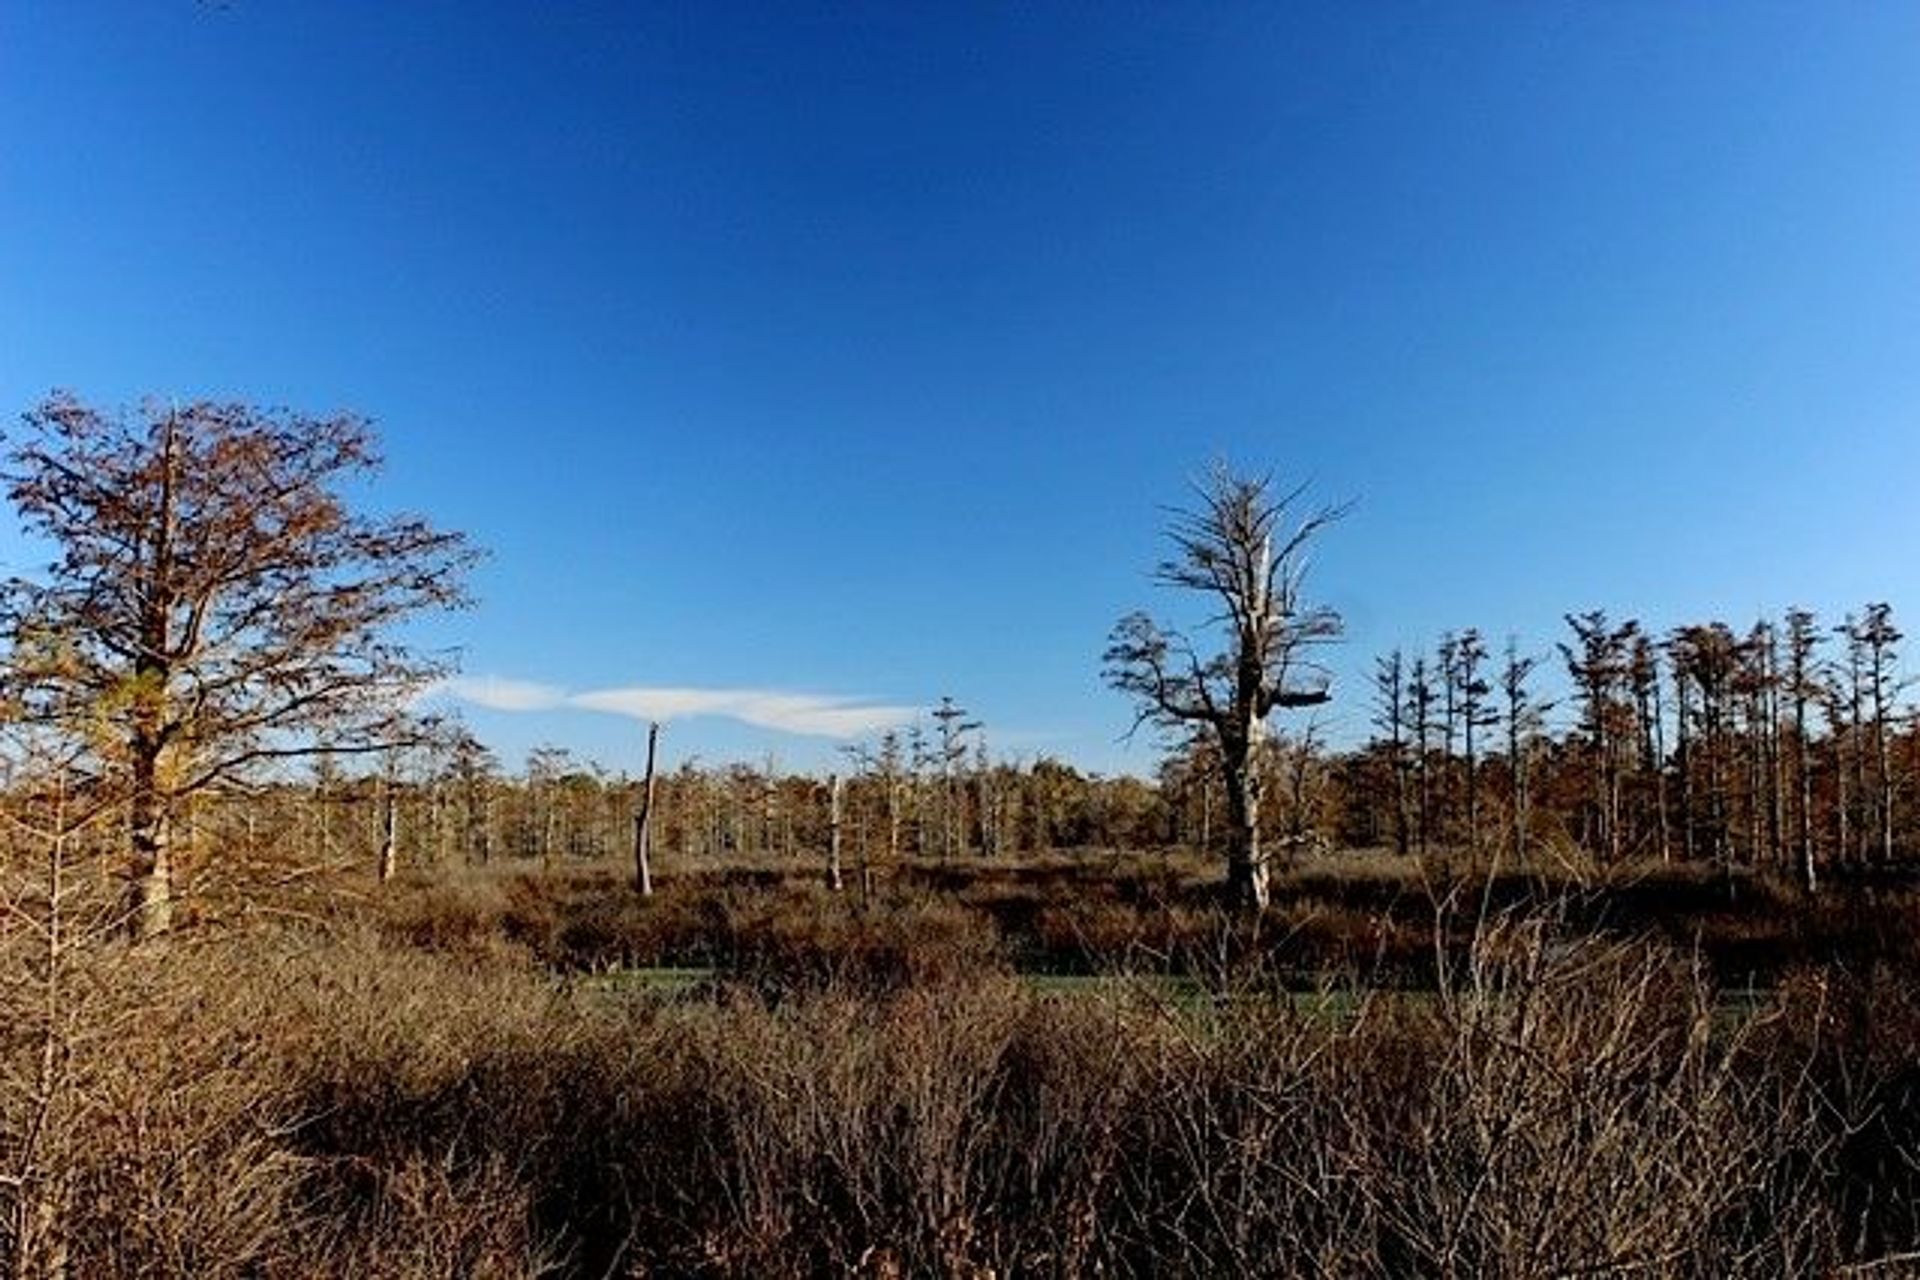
x: 1401, y: 1071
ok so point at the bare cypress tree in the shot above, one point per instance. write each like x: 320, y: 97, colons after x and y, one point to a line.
x: 547, y: 767
x: 1877, y: 639
x: 952, y: 727
x: 921, y: 760
x: 1643, y: 668
x: 643, y: 820
x: 1851, y: 679
x: 885, y: 762
x: 1679, y: 660
x: 986, y: 799
x: 1420, y: 703
x: 1472, y: 690
x: 1597, y: 663
x: 1833, y: 704
x: 1524, y: 718
x: 1751, y: 678
x: 389, y: 818
x: 834, y: 787
x: 1390, y: 715
x: 1776, y: 757
x: 1802, y: 683
x: 1242, y: 547
x: 1708, y: 655
x: 473, y: 768
x: 1444, y: 672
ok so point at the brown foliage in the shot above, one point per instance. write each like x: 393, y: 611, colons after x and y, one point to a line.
x: 308, y: 1103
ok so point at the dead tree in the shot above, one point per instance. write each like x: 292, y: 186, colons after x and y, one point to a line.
x: 1243, y: 546
x: 1597, y: 664
x: 1523, y: 721
x: 833, y: 832
x: 1705, y: 658
x: 1643, y: 675
x: 1877, y: 637
x: 1443, y: 670
x: 643, y: 820
x: 1471, y: 690
x: 1420, y: 700
x: 389, y: 819
x: 1803, y: 687
x: 952, y: 727
x: 1390, y: 716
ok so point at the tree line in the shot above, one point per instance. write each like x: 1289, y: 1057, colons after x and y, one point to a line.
x: 1785, y: 746
x: 448, y: 803
x: 1782, y: 746
x: 216, y: 610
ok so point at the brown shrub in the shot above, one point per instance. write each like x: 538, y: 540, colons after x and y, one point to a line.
x: 305, y: 1102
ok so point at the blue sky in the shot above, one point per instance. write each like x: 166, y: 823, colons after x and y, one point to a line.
x: 784, y: 354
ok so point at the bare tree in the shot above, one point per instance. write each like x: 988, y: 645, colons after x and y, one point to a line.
x: 1598, y: 664
x: 1803, y: 686
x: 835, y: 785
x: 1244, y: 546
x: 643, y: 820
x: 1471, y: 690
x: 547, y: 769
x: 1524, y: 720
x: 886, y: 763
x: 1443, y: 670
x: 1877, y: 637
x: 1643, y: 678
x: 214, y: 602
x: 1705, y: 657
x: 1420, y: 702
x: 952, y: 727
x: 1390, y: 715
x: 389, y: 817
x: 475, y: 774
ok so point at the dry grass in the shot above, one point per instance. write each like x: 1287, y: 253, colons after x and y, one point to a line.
x: 876, y: 1093
x: 1364, y: 916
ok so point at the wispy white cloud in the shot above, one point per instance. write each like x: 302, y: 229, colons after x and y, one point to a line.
x: 499, y: 694
x: 816, y: 715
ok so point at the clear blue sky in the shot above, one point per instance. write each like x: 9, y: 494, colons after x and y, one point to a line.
x: 849, y: 351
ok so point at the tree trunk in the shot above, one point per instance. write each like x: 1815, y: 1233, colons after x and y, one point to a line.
x: 1658, y: 733
x: 1247, y: 870
x: 1683, y: 756
x: 1776, y: 771
x: 643, y: 821
x: 863, y: 839
x: 1862, y: 830
x: 1473, y: 787
x: 1842, y: 838
x: 152, y: 905
x: 833, y: 833
x: 1882, y: 766
x: 1517, y: 767
x: 548, y: 823
x: 1803, y: 773
x: 389, y: 831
